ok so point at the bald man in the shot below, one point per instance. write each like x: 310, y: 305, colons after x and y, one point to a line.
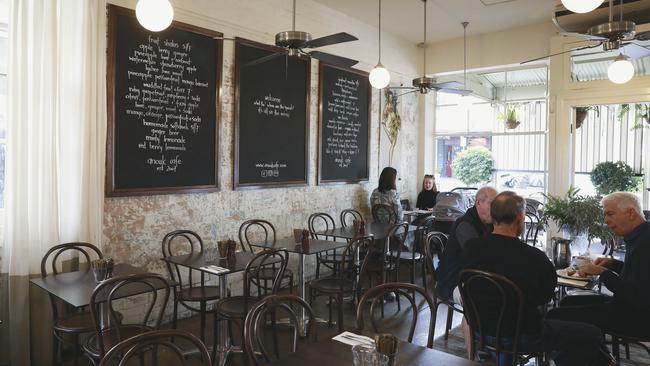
x: 476, y: 222
x: 628, y: 311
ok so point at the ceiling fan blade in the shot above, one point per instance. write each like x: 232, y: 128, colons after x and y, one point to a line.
x: 574, y: 34
x: 643, y: 36
x: 635, y: 51
x: 264, y: 59
x: 333, y: 59
x: 454, y: 91
x: 448, y: 84
x: 563, y: 52
x: 408, y: 92
x: 402, y: 87
x: 331, y: 39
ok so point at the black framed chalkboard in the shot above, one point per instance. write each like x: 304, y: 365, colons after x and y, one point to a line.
x: 344, y: 125
x: 271, y: 118
x: 163, y: 93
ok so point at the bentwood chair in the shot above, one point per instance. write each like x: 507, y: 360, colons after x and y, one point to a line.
x: 156, y: 342
x: 109, y: 331
x: 345, y: 282
x: 262, y: 231
x: 485, y: 294
x: 190, y: 289
x: 234, y: 309
x: 330, y: 259
x: 68, y: 324
x: 273, y: 306
x: 622, y: 339
x: 400, y: 289
x: 348, y: 216
x: 384, y: 214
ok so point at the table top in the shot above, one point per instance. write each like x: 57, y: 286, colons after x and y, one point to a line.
x: 315, y: 246
x: 198, y: 260
x: 376, y: 229
x: 75, y: 288
x: 332, y: 353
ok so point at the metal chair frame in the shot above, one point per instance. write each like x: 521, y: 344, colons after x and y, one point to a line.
x: 350, y: 212
x: 380, y: 211
x: 330, y: 259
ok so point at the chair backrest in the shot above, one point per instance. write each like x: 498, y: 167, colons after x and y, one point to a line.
x: 348, y: 216
x: 396, y: 236
x: 406, y: 204
x: 533, y: 206
x: 320, y: 221
x: 113, y: 289
x: 275, y: 259
x: 384, y: 214
x: 156, y: 341
x: 434, y: 244
x: 273, y: 306
x: 251, y: 230
x: 401, y: 289
x: 494, y: 307
x: 53, y: 256
x: 182, y: 242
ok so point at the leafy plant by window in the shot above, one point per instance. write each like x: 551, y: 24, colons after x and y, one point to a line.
x: 641, y: 114
x: 510, y: 117
x: 581, y: 113
x: 610, y: 177
x: 473, y: 166
x: 577, y: 213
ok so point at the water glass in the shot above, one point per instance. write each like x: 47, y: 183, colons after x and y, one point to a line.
x: 367, y: 355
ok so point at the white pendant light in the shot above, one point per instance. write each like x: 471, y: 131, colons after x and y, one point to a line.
x: 581, y: 6
x: 379, y: 77
x: 621, y: 70
x: 154, y: 15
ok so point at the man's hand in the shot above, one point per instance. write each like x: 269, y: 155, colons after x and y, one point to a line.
x: 589, y: 269
x: 604, y: 262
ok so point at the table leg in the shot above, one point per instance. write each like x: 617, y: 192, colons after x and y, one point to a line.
x: 223, y: 347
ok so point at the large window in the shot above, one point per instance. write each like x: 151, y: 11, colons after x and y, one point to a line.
x: 519, y: 153
x: 4, y: 47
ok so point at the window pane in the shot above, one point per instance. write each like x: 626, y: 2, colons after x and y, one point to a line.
x: 3, y: 106
x: 450, y: 119
x: 2, y: 175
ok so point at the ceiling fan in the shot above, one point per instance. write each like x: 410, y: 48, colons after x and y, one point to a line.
x: 613, y: 35
x: 295, y: 43
x: 425, y: 84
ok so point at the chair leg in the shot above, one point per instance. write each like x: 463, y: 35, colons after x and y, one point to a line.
x: 424, y: 276
x: 615, y: 350
x: 317, y: 268
x: 202, y: 317
x: 175, y: 315
x: 329, y: 321
x: 75, y: 349
x: 339, y: 303
x: 450, y: 316
x: 55, y: 349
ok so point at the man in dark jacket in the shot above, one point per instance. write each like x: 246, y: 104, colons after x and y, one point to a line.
x: 628, y: 311
x: 501, y: 252
x: 473, y: 224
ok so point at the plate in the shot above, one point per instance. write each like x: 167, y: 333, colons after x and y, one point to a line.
x: 562, y: 273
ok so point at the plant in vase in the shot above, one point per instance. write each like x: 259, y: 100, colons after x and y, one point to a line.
x: 582, y: 112
x: 576, y: 215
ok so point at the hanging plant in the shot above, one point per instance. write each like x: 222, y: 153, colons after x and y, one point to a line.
x: 641, y: 114
x: 610, y: 177
x: 583, y: 112
x: 510, y: 117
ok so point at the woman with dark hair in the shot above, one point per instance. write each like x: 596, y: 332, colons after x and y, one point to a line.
x: 386, y: 193
x: 427, y: 197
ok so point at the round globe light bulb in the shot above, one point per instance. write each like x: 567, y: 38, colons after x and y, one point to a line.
x: 581, y: 6
x: 154, y: 15
x: 621, y: 70
x: 379, y: 77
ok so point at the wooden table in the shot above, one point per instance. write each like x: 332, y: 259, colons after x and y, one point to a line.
x: 315, y: 247
x: 333, y: 353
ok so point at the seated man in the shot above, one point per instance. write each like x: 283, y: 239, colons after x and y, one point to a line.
x: 626, y: 313
x: 501, y: 252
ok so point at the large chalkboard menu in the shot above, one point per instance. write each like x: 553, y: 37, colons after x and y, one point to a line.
x: 162, y: 107
x: 344, y: 132
x: 271, y: 117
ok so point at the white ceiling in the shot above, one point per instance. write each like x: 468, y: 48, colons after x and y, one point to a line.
x: 404, y: 18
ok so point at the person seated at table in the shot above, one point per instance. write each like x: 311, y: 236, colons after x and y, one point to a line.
x: 474, y: 223
x: 627, y: 312
x: 502, y: 252
x: 427, y: 197
x: 386, y: 193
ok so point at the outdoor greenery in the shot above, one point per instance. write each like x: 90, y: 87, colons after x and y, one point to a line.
x: 473, y: 166
x: 610, y: 177
x: 576, y: 213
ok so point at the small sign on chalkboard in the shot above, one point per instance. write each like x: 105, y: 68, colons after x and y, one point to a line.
x: 162, y: 107
x: 271, y: 117
x: 344, y: 125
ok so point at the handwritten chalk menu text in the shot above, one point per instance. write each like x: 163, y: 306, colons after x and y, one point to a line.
x: 271, y: 117
x: 162, y: 100
x: 344, y: 125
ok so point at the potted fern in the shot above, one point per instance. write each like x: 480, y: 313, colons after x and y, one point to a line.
x: 509, y: 117
x: 582, y: 112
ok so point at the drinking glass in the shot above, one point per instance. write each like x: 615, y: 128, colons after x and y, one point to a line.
x: 367, y: 355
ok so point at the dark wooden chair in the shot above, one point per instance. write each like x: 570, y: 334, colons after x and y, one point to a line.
x: 155, y: 342
x: 234, y: 309
x: 625, y: 340
x: 189, y: 290
x: 345, y: 282
x: 384, y: 214
x: 400, y: 289
x: 69, y: 323
x: 109, y: 331
x: 273, y: 306
x: 479, y: 309
x: 348, y: 216
x: 398, y: 252
x: 263, y: 231
x: 330, y: 259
